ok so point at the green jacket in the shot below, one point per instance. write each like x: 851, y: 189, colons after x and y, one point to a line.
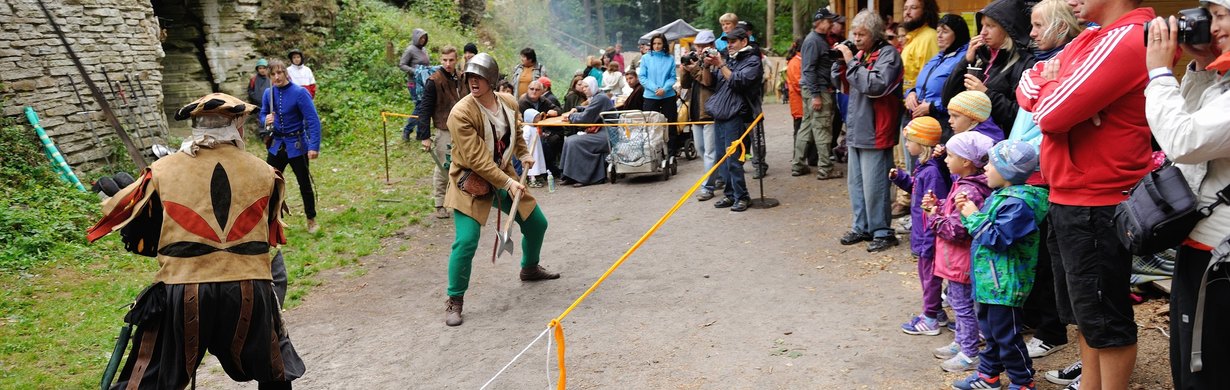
x: 1005, y: 244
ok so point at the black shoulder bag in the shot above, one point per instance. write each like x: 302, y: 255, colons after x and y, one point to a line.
x: 1161, y: 211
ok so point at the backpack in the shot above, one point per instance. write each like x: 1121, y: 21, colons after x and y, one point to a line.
x: 1160, y: 211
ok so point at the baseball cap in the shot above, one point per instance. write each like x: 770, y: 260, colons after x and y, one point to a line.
x: 736, y: 33
x: 823, y: 13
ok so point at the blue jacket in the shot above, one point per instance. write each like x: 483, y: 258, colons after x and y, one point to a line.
x: 930, y: 87
x: 740, y: 95
x: 657, y: 70
x: 296, y: 126
x: 1005, y: 244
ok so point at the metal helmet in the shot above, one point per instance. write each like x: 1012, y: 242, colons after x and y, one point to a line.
x: 483, y: 65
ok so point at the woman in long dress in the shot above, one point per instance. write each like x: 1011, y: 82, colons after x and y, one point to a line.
x: 584, y: 158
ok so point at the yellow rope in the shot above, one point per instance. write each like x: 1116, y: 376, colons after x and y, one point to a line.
x: 384, y: 115
x: 542, y: 124
x: 557, y: 323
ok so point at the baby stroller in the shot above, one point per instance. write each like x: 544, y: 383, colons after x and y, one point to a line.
x: 638, y: 149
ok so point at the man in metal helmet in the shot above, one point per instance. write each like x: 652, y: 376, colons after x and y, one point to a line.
x: 210, y: 213
x: 486, y: 136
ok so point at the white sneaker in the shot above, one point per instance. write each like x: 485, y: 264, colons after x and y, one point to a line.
x: 948, y: 351
x: 1075, y: 385
x: 960, y: 363
x: 1038, y: 348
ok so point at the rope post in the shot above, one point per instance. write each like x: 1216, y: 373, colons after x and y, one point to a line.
x: 385, y: 124
x: 757, y: 142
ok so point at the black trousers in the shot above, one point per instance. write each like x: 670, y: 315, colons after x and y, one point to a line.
x: 302, y: 175
x: 670, y: 108
x: 553, y: 148
x: 1041, y: 311
x: 1215, y: 352
x: 248, y: 339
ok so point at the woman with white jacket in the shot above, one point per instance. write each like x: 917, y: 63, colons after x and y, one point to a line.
x: 1190, y: 123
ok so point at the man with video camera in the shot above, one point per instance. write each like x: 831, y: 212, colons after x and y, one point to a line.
x: 1188, y: 121
x: 816, y: 84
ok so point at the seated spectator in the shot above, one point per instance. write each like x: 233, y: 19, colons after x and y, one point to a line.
x: 534, y: 98
x: 546, y: 91
x: 585, y: 153
x: 593, y: 69
x: 552, y: 137
x: 1189, y: 121
x: 537, y: 175
x: 574, y: 98
x: 613, y: 83
x: 634, y: 100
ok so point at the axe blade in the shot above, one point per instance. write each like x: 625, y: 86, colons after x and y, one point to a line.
x: 506, y: 244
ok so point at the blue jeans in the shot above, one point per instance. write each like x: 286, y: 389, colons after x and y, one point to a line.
x: 870, y: 195
x: 732, y: 170
x: 705, y: 139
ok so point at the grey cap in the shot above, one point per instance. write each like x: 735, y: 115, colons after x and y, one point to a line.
x: 483, y: 65
x: 704, y: 37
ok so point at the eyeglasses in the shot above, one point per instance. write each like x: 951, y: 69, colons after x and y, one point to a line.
x: 890, y: 37
x: 535, y: 89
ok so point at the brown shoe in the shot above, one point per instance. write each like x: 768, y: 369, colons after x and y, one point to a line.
x: 312, y: 227
x: 442, y: 213
x: 833, y: 174
x: 900, y: 211
x: 452, y: 313
x: 536, y: 273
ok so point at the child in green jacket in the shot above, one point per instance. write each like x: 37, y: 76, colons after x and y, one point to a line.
x: 1005, y: 253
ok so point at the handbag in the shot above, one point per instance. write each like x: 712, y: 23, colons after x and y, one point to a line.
x: 1160, y: 211
x: 473, y: 185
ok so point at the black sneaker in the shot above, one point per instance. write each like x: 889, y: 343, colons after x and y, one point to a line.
x: 853, y: 237
x: 725, y: 202
x: 741, y: 205
x: 882, y: 243
x: 1064, y: 376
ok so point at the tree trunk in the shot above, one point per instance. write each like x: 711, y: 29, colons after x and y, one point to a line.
x: 796, y: 26
x: 769, y: 15
x: 602, y: 38
x: 589, y: 12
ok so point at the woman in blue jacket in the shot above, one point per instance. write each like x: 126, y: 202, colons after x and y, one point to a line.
x: 926, y: 98
x: 657, y: 75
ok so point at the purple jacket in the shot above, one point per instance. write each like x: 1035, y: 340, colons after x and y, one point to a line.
x: 990, y: 129
x: 927, y: 177
x: 952, y: 241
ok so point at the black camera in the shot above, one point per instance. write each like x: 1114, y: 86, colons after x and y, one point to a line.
x: 834, y: 54
x: 1194, y: 25
x: 689, y: 59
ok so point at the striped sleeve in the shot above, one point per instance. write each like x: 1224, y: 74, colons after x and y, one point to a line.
x: 1100, y: 79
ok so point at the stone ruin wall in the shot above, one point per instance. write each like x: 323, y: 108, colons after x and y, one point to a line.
x: 118, y: 37
x: 180, y: 50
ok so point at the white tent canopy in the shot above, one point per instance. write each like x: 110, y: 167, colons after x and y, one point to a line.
x: 673, y: 31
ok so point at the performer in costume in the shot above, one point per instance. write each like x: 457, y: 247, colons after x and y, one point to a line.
x: 210, y: 214
x: 486, y: 136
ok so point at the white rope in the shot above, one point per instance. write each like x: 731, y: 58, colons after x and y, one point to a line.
x: 548, y: 361
x: 514, y: 359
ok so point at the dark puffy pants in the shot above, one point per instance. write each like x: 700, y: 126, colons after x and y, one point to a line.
x: 238, y: 322
x: 302, y: 175
x: 1093, y: 276
x: 1040, y: 309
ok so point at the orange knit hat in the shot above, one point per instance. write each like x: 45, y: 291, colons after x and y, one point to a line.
x: 924, y: 130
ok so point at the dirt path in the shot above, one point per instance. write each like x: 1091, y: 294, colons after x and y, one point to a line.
x: 760, y: 299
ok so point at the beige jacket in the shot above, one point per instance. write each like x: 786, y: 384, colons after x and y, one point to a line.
x: 473, y: 148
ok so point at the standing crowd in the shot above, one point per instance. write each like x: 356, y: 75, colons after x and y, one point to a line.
x: 1014, y: 143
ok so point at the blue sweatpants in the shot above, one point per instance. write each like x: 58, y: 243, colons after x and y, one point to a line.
x: 1005, y: 350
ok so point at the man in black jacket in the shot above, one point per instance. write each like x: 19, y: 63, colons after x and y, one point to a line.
x: 441, y: 91
x: 740, y: 77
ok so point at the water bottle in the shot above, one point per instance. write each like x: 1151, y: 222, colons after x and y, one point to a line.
x: 550, y: 182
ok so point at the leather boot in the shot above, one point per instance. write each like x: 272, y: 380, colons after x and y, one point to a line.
x: 452, y: 313
x: 536, y: 273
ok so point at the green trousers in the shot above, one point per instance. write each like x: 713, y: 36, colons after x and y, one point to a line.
x: 468, y: 232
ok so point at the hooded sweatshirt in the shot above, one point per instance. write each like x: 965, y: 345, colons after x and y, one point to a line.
x: 1096, y: 100
x: 952, y: 241
x: 414, y: 55
x: 1001, y: 68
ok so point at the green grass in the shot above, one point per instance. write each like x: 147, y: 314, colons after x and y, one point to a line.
x: 61, y: 300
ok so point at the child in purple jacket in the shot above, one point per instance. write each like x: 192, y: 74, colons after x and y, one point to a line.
x: 967, y: 155
x: 929, y: 177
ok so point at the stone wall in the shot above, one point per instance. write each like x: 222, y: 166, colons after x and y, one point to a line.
x: 113, y: 38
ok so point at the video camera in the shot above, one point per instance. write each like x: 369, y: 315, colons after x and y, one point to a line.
x: 1193, y: 25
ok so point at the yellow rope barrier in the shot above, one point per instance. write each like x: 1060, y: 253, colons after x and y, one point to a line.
x: 384, y: 115
x: 557, y: 323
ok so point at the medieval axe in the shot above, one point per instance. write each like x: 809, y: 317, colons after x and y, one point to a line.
x: 504, y: 242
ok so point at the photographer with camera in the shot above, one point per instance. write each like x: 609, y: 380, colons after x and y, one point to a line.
x: 816, y: 84
x: 698, y: 79
x: 1189, y: 122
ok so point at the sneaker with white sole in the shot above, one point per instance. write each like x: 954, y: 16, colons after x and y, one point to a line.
x: 1038, y: 348
x: 961, y: 363
x: 977, y: 381
x: 941, y: 319
x: 921, y: 326
x: 1065, y: 376
x: 1075, y: 385
x: 948, y: 351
